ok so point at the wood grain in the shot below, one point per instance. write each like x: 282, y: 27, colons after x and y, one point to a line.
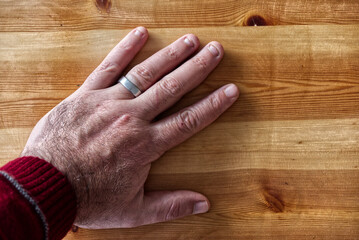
x: 258, y: 204
x: 282, y: 163
x: 60, y: 15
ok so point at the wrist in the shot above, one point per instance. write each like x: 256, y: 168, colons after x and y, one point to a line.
x: 69, y: 169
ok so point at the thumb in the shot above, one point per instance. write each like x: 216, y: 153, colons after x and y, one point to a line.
x: 160, y: 206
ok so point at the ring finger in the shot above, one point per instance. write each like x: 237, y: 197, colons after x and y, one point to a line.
x: 145, y: 74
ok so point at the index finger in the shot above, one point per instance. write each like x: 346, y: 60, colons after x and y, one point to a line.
x: 116, y: 61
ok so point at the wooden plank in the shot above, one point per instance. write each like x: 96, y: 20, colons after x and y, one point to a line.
x: 41, y: 15
x: 327, y: 144
x: 258, y: 204
x: 297, y: 72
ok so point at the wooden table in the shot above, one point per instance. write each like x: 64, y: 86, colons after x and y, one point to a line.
x: 282, y: 163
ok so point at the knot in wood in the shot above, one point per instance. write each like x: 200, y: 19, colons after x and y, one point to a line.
x: 274, y: 202
x: 255, y: 20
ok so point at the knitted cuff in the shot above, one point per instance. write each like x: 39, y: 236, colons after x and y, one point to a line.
x: 47, y: 190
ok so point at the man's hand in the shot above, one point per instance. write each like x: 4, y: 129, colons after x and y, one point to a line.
x: 104, y: 140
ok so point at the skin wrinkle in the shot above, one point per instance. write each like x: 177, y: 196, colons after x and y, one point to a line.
x: 143, y: 74
x: 126, y: 46
x: 107, y: 66
x: 172, y: 53
x: 187, y: 121
x: 215, y: 102
x: 201, y: 62
x: 171, y: 86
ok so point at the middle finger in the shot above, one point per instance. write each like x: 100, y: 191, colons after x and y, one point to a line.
x: 172, y: 87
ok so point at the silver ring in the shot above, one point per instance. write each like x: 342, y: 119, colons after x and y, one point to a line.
x: 130, y: 86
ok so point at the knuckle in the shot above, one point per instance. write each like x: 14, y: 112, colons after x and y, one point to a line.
x: 173, y: 212
x: 172, y: 53
x: 201, y: 62
x: 144, y: 73
x: 171, y: 86
x: 188, y: 121
x: 108, y: 66
x: 215, y: 102
x: 125, y: 46
x: 124, y: 119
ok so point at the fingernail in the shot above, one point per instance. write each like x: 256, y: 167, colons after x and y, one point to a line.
x: 139, y: 31
x: 213, y: 50
x: 200, y: 207
x: 231, y: 91
x: 189, y: 42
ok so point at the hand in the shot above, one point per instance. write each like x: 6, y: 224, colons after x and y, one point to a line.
x: 104, y: 140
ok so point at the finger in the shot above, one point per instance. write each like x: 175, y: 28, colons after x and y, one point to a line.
x: 173, y: 86
x: 108, y: 72
x: 149, y: 71
x: 161, y: 206
x: 178, y: 127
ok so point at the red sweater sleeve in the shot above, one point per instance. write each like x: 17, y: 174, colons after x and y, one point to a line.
x: 36, y: 200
